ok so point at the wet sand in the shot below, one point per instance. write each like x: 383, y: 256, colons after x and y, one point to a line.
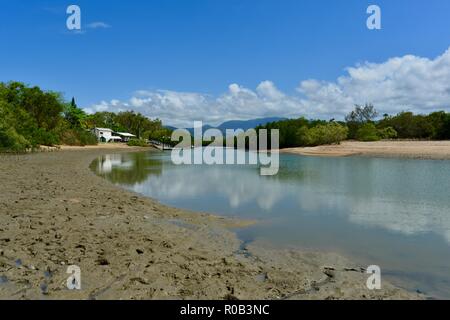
x: 55, y: 212
x: 436, y: 150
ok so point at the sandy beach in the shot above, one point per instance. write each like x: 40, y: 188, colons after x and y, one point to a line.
x: 437, y: 150
x: 55, y: 212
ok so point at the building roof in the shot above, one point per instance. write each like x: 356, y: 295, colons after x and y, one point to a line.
x: 103, y: 129
x: 125, y: 134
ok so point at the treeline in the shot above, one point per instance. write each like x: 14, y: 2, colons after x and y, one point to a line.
x: 31, y: 117
x: 302, y: 132
x: 361, y: 124
x: 435, y: 126
x: 405, y: 125
x: 132, y: 122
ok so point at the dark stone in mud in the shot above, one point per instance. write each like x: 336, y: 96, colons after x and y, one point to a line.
x: 230, y: 297
x: 139, y: 251
x: 44, y: 288
x: 3, y: 279
x: 80, y: 246
x: 329, y: 271
x: 103, y: 262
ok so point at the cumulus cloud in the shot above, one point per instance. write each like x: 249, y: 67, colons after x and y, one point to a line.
x: 403, y: 83
x: 182, y: 108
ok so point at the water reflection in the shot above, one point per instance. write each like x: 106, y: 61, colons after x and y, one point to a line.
x: 370, y: 192
x: 127, y: 169
x: 393, y: 213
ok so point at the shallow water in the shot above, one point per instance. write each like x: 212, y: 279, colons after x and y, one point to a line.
x: 394, y: 213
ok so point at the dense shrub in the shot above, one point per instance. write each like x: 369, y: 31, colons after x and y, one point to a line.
x: 288, y: 130
x: 321, y: 134
x: 86, y: 137
x: 77, y: 137
x: 10, y: 140
x: 367, y: 132
x: 387, y: 133
x: 410, y: 126
x: 43, y: 137
x: 440, y: 122
x: 137, y: 143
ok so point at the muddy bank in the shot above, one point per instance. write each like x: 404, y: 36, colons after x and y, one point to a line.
x: 54, y: 212
x: 432, y: 150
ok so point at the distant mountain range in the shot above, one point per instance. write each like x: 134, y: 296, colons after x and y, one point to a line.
x: 237, y: 124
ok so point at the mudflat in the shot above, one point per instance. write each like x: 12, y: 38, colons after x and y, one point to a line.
x: 55, y: 212
x: 436, y: 150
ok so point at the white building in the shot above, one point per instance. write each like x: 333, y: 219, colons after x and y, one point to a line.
x: 105, y: 135
x: 126, y: 136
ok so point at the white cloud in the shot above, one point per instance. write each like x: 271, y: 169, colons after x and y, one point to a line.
x: 403, y: 83
x: 182, y: 108
x: 406, y: 83
x: 98, y: 25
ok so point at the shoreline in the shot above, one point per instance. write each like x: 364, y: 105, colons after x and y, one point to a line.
x: 404, y: 149
x: 56, y: 212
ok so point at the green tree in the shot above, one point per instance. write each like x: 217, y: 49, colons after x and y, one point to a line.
x: 30, y: 117
x: 440, y: 125
x: 358, y: 117
x: 367, y: 132
x: 75, y: 116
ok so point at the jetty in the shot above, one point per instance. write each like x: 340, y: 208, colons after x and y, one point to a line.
x: 159, y: 145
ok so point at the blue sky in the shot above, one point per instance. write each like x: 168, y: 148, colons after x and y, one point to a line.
x: 154, y: 50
